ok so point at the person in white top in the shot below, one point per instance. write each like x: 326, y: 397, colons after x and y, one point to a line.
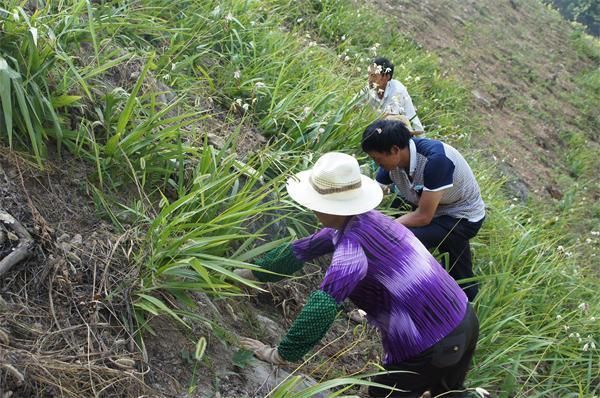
x: 388, y: 95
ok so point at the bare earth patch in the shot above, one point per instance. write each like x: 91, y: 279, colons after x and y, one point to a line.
x: 519, y: 63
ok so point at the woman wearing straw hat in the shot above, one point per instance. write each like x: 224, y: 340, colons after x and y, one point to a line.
x: 427, y: 325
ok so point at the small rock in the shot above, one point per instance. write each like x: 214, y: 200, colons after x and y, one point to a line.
x: 12, y: 236
x: 262, y: 377
x: 77, y: 240
x: 481, y: 98
x: 459, y: 19
x: 270, y: 327
x: 554, y: 192
x: 73, y: 257
x: 517, y: 188
x: 215, y: 140
x: 63, y: 238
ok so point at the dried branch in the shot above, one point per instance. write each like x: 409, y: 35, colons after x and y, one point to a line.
x: 23, y: 249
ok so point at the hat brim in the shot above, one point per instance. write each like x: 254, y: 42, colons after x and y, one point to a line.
x: 363, y: 199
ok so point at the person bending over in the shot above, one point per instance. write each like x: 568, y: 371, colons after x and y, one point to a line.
x: 426, y: 322
x: 436, y: 180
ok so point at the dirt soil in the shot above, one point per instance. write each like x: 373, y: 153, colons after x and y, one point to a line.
x: 520, y: 65
x: 64, y: 316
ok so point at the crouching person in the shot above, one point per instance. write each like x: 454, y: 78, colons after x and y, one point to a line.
x: 428, y: 328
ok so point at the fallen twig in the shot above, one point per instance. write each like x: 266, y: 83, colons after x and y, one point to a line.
x: 23, y: 249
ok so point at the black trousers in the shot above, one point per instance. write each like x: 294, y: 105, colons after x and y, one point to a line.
x: 438, y: 369
x: 451, y: 235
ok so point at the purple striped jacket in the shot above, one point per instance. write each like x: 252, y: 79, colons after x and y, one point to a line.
x: 385, y: 270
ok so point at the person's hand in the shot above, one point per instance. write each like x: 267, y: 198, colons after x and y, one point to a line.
x: 262, y: 351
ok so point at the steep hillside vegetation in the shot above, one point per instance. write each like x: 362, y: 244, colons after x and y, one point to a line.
x: 146, y: 145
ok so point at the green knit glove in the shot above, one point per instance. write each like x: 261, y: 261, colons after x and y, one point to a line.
x: 280, y: 260
x: 309, y: 327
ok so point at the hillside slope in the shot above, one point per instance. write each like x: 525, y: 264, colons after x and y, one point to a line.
x: 149, y: 147
x: 522, y: 64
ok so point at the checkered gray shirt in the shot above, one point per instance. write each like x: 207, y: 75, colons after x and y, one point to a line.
x: 436, y: 166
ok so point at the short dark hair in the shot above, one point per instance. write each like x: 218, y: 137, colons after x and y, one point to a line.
x: 387, y: 67
x: 382, y: 135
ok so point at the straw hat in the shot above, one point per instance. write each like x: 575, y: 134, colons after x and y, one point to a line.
x: 400, y: 118
x: 335, y: 186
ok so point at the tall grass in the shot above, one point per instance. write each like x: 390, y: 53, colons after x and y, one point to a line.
x: 28, y: 115
x: 189, y: 244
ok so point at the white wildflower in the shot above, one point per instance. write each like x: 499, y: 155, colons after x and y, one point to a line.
x: 588, y: 240
x: 482, y: 392
x: 559, y: 317
x: 260, y: 85
x: 34, y: 35
x: 377, y: 45
x: 346, y: 58
x: 299, y: 20
x: 321, y: 130
x: 358, y: 69
x: 566, y: 327
x: 238, y: 101
x: 595, y: 233
x: 586, y: 347
x: 560, y: 248
x: 312, y: 43
x: 343, y: 37
x: 583, y: 306
x: 237, y: 74
x: 229, y: 17
x: 216, y: 11
x: 245, y: 106
x: 568, y: 254
x: 593, y: 318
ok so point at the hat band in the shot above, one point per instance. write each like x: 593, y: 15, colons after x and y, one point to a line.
x: 326, y: 191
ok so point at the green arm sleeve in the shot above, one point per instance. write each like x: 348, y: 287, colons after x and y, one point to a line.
x: 309, y: 327
x: 280, y: 260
